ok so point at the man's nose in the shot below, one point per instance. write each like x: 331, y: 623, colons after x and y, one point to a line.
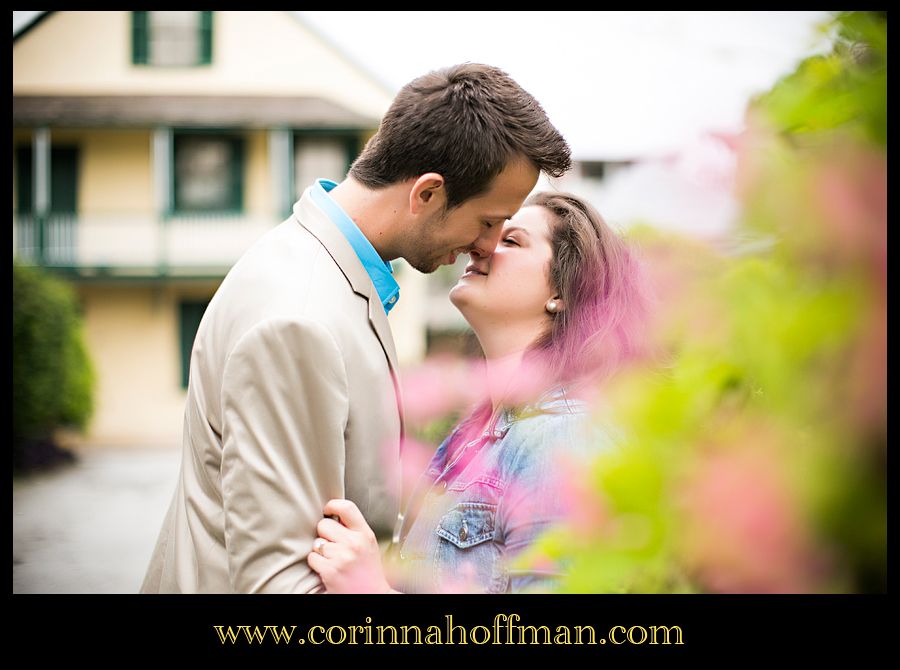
x: 486, y: 243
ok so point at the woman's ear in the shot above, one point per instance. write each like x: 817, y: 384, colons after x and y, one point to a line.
x: 555, y: 305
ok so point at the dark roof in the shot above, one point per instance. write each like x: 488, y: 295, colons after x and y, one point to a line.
x: 23, y: 30
x: 193, y: 111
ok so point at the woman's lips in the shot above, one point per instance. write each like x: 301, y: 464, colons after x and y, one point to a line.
x: 472, y: 271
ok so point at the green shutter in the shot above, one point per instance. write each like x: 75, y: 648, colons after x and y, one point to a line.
x: 237, y: 174
x: 140, y: 36
x: 353, y: 148
x: 293, y: 196
x: 191, y: 313
x: 206, y: 38
x: 24, y: 176
x: 64, y: 180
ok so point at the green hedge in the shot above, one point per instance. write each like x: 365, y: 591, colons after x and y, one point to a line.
x: 53, y: 378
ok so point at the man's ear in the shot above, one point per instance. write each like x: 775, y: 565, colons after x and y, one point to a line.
x: 427, y: 194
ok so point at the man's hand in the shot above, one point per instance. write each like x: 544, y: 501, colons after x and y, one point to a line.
x: 347, y: 557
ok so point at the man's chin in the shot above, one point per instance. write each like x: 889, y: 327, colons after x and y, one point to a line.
x: 426, y: 267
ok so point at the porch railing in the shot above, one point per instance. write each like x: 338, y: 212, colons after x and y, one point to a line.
x: 134, y: 242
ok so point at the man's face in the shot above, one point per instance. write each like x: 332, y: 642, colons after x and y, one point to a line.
x: 476, y: 225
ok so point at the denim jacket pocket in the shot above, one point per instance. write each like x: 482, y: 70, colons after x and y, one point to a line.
x: 468, y: 524
x: 467, y: 558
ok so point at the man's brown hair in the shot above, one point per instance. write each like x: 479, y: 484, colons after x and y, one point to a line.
x: 465, y: 122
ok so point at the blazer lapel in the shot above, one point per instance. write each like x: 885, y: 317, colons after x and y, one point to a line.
x: 318, y: 223
x: 378, y: 319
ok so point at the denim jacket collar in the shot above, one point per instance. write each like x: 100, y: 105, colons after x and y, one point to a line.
x: 554, y: 401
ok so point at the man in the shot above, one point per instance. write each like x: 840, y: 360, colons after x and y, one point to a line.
x: 293, y: 382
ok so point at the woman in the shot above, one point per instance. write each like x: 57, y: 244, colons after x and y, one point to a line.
x: 557, y: 306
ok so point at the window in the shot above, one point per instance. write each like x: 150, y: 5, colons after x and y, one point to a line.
x: 175, y: 39
x: 322, y: 155
x: 190, y: 314
x: 593, y: 169
x: 601, y: 170
x: 208, y: 173
x: 63, y: 179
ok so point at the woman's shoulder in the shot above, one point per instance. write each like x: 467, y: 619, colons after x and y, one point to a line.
x: 561, y: 426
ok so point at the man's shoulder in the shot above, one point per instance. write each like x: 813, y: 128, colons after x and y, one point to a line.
x: 286, y: 259
x: 286, y: 273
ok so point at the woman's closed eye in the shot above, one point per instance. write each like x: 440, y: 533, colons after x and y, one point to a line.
x: 510, y: 240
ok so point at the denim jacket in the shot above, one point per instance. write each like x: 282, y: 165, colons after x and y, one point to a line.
x: 473, y: 511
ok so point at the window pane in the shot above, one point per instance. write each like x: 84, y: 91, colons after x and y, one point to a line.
x: 203, y: 173
x: 191, y: 313
x: 318, y: 157
x: 174, y: 38
x: 63, y: 179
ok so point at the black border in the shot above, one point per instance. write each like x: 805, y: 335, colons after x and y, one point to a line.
x: 724, y: 629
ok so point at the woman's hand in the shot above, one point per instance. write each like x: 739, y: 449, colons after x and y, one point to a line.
x: 349, y: 558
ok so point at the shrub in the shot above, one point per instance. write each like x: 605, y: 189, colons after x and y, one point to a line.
x: 53, y: 378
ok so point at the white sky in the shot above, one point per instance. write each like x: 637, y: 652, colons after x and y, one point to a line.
x: 616, y: 84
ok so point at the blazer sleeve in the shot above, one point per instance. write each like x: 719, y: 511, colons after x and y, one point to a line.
x: 284, y: 411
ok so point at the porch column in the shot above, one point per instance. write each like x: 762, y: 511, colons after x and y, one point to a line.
x: 281, y: 170
x: 161, y: 151
x: 41, y: 192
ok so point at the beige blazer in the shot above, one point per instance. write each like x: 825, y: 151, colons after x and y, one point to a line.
x: 292, y: 400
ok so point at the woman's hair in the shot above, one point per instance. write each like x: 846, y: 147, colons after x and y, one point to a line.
x: 603, y: 289
x: 466, y: 122
x: 605, y: 296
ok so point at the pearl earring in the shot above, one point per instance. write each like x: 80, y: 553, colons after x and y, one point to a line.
x: 552, y: 306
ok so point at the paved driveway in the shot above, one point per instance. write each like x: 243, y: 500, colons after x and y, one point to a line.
x: 91, y: 527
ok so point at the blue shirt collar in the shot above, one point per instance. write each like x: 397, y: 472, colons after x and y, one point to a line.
x: 379, y: 271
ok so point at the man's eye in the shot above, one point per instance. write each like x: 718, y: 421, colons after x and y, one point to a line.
x: 488, y: 224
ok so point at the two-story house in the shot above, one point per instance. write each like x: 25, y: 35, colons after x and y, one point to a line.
x: 150, y: 149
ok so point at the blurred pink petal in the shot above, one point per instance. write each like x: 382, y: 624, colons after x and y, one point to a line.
x: 440, y: 386
x: 744, y: 532
x: 850, y: 194
x: 414, y: 459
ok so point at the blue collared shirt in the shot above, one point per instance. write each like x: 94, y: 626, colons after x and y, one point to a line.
x: 380, y: 271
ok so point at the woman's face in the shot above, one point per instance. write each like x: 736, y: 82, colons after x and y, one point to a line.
x: 512, y: 285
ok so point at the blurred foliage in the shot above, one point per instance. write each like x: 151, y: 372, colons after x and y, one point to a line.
x: 844, y: 89
x: 433, y: 432
x: 53, y: 379
x: 755, y: 458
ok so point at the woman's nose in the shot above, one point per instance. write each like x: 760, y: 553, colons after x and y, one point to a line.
x: 485, y: 245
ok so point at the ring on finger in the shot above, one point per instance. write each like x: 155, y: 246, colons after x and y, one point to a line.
x: 319, y: 545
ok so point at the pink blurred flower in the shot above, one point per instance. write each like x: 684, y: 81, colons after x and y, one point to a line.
x: 414, y: 458
x: 463, y: 581
x: 744, y: 533
x: 439, y: 386
x: 850, y: 195
x: 866, y: 385
x: 584, y: 509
